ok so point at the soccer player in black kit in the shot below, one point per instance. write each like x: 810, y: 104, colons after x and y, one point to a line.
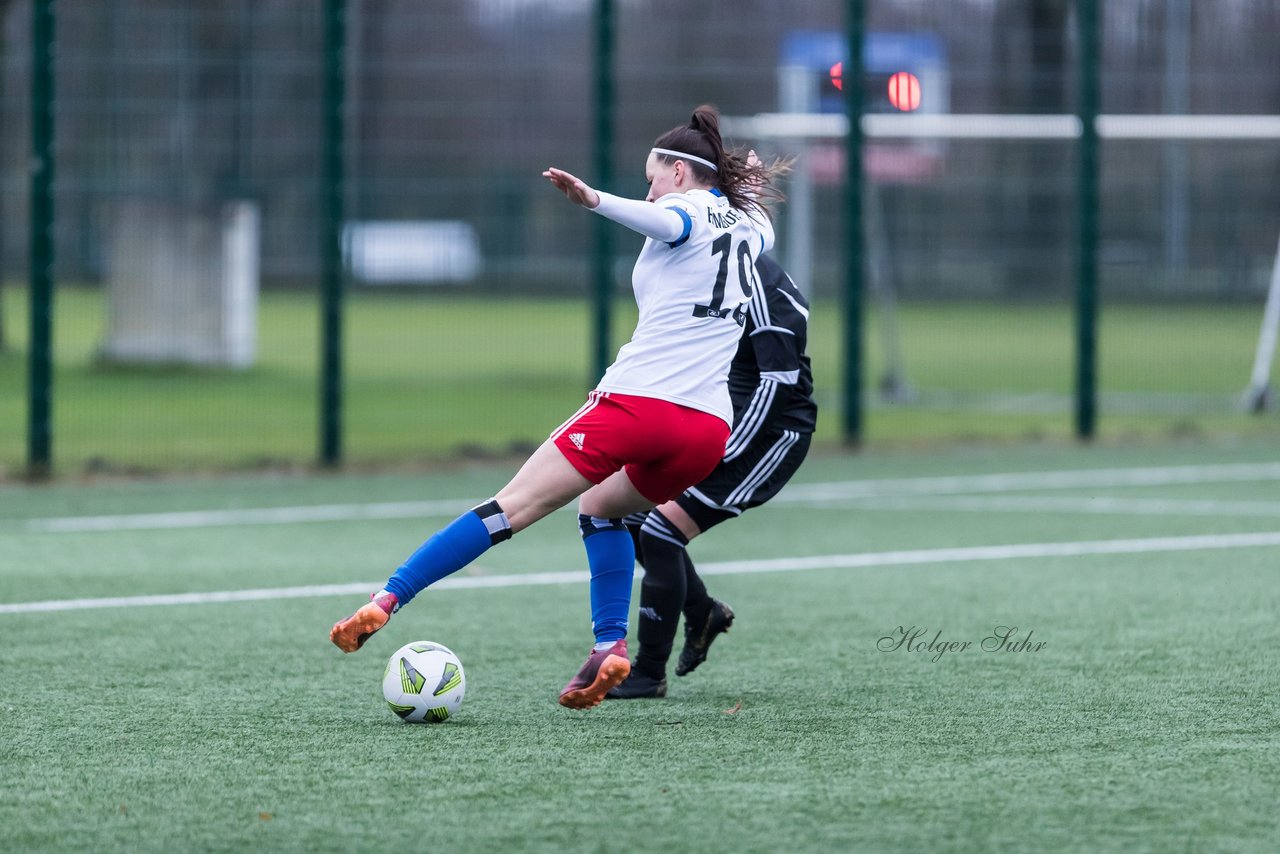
x: 771, y: 384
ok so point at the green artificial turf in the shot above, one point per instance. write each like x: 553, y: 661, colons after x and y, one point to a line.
x: 1147, y: 721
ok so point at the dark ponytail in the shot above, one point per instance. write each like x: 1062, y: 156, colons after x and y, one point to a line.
x: 748, y: 188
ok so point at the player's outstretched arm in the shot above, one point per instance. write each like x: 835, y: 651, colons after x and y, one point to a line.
x: 574, y: 188
x: 651, y: 220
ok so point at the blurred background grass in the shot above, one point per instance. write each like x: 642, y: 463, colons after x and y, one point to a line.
x: 431, y: 377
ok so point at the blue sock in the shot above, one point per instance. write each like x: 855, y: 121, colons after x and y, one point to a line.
x: 450, y: 549
x: 611, y: 555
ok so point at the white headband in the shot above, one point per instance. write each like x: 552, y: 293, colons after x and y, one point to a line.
x: 683, y: 156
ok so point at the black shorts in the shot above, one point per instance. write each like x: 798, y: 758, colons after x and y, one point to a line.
x: 748, y: 480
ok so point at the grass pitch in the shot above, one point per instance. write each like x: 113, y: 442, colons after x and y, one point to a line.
x: 1147, y: 721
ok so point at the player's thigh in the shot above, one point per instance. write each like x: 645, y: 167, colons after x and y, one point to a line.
x: 614, y: 497
x: 546, y: 482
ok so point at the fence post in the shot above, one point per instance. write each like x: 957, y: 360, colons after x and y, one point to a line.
x: 331, y: 206
x: 40, y: 361
x: 602, y: 234
x: 4, y: 343
x: 1087, y: 272
x: 854, y: 285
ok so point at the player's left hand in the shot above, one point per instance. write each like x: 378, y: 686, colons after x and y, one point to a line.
x: 573, y: 187
x: 757, y: 178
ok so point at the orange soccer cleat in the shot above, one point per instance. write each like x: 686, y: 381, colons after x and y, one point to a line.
x: 603, y: 671
x: 350, y: 634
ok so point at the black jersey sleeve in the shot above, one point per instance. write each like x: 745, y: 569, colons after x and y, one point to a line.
x: 777, y: 329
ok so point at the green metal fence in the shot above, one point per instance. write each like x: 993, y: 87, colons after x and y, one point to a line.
x: 363, y: 175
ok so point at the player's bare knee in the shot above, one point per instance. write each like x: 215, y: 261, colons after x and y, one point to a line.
x: 676, y: 516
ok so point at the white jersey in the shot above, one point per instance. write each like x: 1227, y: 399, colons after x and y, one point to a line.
x: 692, y: 291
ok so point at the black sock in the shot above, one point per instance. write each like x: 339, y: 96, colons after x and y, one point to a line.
x: 662, y: 594
x: 634, y: 523
x: 697, y: 601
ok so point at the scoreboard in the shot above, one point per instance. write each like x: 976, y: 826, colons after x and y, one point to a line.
x: 904, y: 72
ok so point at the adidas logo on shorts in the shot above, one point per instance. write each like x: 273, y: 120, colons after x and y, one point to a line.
x: 577, y: 439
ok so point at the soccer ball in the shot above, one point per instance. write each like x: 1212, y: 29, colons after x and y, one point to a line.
x: 424, y: 682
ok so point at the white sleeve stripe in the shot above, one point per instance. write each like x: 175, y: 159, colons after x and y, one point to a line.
x: 752, y: 419
x: 782, y: 377
x: 803, y: 311
x: 781, y: 329
x: 760, y: 306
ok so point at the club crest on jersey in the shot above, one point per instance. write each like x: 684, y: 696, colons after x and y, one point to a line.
x: 578, y: 439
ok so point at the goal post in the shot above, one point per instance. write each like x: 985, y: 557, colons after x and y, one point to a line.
x: 802, y: 130
x: 182, y: 287
x: 1257, y: 397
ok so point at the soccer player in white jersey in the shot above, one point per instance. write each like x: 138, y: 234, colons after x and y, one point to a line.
x: 771, y: 383
x: 658, y: 421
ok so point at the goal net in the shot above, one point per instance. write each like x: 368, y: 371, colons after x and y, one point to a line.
x: 970, y: 235
x: 1257, y: 397
x: 183, y: 285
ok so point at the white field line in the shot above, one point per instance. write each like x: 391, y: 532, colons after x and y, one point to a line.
x: 1059, y: 504
x: 253, y: 516
x: 1071, y: 479
x: 794, y: 494
x: 862, y: 560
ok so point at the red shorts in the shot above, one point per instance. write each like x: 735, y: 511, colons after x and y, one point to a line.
x: 665, y: 448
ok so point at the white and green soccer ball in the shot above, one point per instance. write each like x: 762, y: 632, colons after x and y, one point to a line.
x: 424, y: 683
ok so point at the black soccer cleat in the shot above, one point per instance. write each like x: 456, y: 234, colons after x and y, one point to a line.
x: 638, y: 686
x: 699, y: 634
